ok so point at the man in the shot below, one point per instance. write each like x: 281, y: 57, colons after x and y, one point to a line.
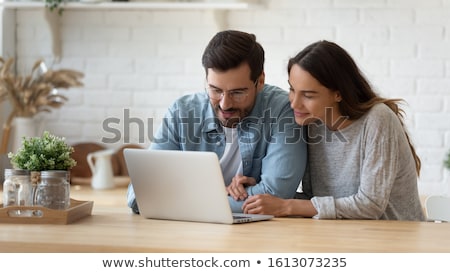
x: 248, y: 124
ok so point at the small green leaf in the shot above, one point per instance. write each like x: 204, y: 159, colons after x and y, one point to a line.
x: 447, y: 161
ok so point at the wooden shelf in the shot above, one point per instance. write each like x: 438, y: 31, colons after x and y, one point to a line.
x: 136, y: 5
x: 218, y: 8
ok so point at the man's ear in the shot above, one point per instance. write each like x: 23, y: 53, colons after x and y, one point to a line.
x: 261, y: 81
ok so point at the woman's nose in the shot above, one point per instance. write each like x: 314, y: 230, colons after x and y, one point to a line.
x: 296, y: 100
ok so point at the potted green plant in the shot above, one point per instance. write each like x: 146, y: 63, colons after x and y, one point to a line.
x: 447, y: 173
x: 447, y: 161
x: 49, y: 160
x: 48, y: 152
x: 55, y: 4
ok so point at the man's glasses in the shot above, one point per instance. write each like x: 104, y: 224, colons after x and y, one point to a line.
x: 237, y: 95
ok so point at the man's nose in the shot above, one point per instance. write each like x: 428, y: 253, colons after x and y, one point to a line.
x: 226, y: 101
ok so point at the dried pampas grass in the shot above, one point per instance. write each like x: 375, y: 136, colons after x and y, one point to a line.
x: 37, y: 92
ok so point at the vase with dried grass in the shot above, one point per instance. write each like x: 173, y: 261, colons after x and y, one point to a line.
x: 34, y: 93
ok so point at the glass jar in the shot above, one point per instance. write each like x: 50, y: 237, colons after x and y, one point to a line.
x: 17, y: 190
x: 53, y: 191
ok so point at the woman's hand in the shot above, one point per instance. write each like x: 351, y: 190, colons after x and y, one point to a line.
x: 265, y: 204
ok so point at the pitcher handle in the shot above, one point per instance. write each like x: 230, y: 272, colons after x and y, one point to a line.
x: 90, y: 162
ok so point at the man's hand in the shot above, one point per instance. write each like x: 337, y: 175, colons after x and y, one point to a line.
x: 236, y: 189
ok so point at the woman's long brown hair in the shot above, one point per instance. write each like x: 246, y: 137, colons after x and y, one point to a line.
x: 335, y: 69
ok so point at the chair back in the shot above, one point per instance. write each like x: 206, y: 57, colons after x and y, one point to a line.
x: 438, y: 208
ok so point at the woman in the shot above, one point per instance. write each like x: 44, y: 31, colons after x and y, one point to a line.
x: 361, y: 163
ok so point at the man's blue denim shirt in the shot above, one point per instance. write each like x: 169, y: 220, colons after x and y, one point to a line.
x: 272, y: 145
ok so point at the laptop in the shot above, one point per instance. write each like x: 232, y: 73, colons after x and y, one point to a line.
x: 183, y: 186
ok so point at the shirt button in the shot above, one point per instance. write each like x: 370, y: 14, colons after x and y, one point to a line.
x: 218, y: 143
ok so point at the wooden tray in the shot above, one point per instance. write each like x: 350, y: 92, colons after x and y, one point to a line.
x: 41, y: 215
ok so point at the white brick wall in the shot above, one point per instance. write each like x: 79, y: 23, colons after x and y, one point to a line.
x: 143, y: 60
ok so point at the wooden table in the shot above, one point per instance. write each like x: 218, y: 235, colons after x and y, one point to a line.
x: 113, y: 228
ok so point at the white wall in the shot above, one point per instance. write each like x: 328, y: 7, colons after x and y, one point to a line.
x: 7, y: 46
x: 143, y: 60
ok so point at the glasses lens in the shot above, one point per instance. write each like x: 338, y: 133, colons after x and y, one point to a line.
x: 217, y: 94
x: 238, y: 95
x: 214, y: 94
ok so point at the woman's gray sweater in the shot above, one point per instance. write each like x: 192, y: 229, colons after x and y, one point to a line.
x: 365, y: 171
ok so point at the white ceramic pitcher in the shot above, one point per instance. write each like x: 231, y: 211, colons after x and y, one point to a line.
x: 102, y: 172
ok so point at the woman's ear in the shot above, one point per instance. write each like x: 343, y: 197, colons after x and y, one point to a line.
x: 337, y: 96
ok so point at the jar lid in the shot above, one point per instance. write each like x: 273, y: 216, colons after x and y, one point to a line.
x: 9, y: 172
x: 54, y: 173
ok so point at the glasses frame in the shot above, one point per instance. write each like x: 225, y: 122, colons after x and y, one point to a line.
x: 237, y: 95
